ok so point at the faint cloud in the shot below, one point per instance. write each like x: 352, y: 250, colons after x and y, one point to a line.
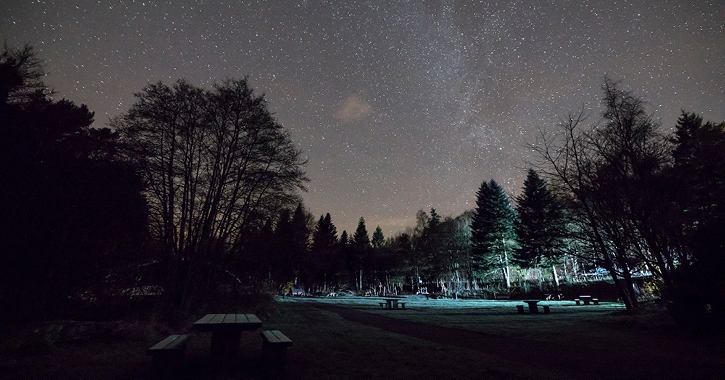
x: 353, y: 109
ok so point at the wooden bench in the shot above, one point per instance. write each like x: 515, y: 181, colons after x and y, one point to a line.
x: 274, y: 345
x: 547, y: 310
x: 402, y: 305
x: 520, y: 309
x: 595, y: 301
x: 578, y: 302
x: 168, y: 355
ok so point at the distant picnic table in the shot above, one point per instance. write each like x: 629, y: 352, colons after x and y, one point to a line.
x: 392, y: 303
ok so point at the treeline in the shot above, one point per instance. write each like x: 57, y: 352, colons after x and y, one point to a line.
x: 616, y: 194
x: 192, y: 196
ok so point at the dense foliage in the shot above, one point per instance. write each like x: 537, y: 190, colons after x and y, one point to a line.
x: 70, y: 211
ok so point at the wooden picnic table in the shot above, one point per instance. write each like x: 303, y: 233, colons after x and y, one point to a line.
x: 226, y: 332
x: 391, y: 303
x: 533, y: 308
x: 586, y: 299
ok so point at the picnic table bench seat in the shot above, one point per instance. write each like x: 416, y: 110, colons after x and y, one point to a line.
x: 168, y: 355
x: 274, y: 345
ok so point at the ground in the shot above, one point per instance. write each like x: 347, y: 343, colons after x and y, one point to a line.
x: 352, y: 338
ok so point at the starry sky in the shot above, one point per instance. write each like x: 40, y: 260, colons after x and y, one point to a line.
x: 398, y: 105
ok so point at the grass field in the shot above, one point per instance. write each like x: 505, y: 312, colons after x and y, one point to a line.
x: 498, y: 344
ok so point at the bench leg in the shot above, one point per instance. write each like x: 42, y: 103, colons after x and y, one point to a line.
x: 546, y: 309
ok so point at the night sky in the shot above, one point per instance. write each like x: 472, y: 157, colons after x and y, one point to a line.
x: 398, y: 105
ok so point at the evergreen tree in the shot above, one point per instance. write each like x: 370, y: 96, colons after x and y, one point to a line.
x: 361, y: 239
x: 360, y: 247
x: 346, y: 253
x: 698, y: 177
x: 300, y: 241
x: 493, y: 236
x: 344, y: 240
x: 431, y: 247
x: 281, y: 258
x: 70, y: 211
x: 378, y: 239
x: 324, y: 258
x: 434, y: 220
x: 541, y: 225
x: 325, y: 234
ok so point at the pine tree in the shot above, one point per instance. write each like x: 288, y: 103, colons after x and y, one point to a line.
x: 493, y: 237
x: 431, y: 245
x: 347, y: 256
x: 378, y: 239
x: 541, y: 225
x: 325, y: 261
x: 281, y: 260
x: 360, y: 246
x: 300, y: 240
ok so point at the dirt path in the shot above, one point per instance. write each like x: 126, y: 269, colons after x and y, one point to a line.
x: 569, y: 361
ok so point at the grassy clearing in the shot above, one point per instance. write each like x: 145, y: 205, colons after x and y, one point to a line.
x: 326, y: 346
x: 605, y: 326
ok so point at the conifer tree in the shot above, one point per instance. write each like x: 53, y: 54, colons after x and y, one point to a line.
x: 324, y: 258
x: 360, y: 247
x: 378, y: 239
x: 541, y: 225
x: 493, y: 237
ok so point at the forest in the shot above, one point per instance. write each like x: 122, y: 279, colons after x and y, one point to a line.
x: 192, y: 198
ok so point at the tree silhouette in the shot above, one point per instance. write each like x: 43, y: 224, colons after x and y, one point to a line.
x: 493, y: 238
x: 378, y: 238
x: 609, y: 174
x: 541, y: 227
x: 325, y: 260
x: 360, y: 247
x: 70, y: 213
x: 217, y: 164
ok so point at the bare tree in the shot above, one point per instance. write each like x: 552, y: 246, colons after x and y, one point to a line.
x: 216, y: 164
x: 608, y: 173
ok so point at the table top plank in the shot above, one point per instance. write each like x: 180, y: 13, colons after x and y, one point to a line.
x: 217, y: 318
x: 205, y: 319
x: 253, y: 319
x: 214, y: 322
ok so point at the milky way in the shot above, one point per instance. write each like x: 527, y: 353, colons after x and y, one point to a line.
x: 398, y: 105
